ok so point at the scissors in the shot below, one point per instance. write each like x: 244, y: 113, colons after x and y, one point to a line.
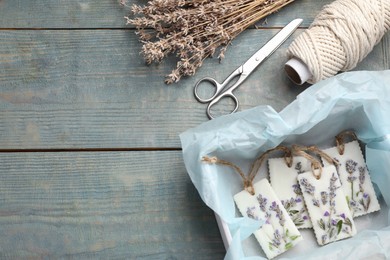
x: 242, y: 72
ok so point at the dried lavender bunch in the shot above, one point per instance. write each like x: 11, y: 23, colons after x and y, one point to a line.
x: 194, y: 29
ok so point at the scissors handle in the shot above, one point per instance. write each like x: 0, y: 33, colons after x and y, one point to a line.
x: 218, y: 88
x: 226, y: 94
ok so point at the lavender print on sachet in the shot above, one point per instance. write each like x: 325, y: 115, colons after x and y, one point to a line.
x: 278, y: 234
x: 283, y: 178
x: 325, y: 201
x: 355, y: 179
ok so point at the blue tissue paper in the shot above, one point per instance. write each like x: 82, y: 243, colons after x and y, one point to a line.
x: 353, y: 100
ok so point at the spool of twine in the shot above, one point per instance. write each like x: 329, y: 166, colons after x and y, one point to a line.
x: 341, y: 36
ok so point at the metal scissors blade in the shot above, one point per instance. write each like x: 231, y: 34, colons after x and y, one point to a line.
x: 243, y: 71
x: 270, y: 47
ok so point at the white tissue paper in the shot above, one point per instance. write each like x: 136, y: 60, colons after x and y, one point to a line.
x: 359, y: 101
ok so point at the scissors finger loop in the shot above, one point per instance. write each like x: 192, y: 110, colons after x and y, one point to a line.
x: 217, y: 99
x: 218, y: 87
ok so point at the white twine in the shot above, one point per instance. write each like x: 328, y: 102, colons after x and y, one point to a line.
x: 341, y: 36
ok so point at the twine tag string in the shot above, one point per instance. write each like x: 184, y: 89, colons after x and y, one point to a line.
x: 259, y: 161
x: 322, y: 154
x: 248, y: 180
x: 340, y: 140
x: 316, y: 166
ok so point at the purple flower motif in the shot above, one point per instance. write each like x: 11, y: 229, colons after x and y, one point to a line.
x: 305, y: 218
x: 292, y: 202
x: 334, y: 222
x: 365, y: 195
x: 298, y: 200
x: 250, y: 212
x: 362, y: 174
x: 277, y: 234
x: 262, y: 202
x: 316, y: 202
x: 268, y: 218
x: 298, y: 167
x: 297, y: 189
x: 350, y: 166
x: 342, y: 215
x: 279, y: 214
x: 308, y: 188
x: 324, y: 197
x: 351, y: 178
x: 273, y: 206
x: 326, y: 214
x: 333, y: 179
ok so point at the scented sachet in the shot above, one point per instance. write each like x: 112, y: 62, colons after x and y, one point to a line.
x: 283, y: 178
x: 278, y: 234
x: 355, y: 179
x: 325, y: 201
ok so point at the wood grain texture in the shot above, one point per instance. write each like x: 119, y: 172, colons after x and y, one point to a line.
x: 110, y: 14
x: 91, y: 89
x: 116, y: 205
x: 71, y: 77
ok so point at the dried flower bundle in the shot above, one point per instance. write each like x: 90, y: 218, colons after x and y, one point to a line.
x: 194, y: 29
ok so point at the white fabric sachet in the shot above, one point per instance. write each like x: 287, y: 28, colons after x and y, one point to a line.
x: 325, y: 201
x: 285, y: 184
x: 355, y: 179
x: 278, y: 234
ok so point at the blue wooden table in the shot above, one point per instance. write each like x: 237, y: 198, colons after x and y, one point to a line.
x: 90, y: 159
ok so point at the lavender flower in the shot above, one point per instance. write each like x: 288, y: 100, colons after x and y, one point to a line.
x: 308, y: 188
x: 316, y: 202
x: 279, y: 214
x: 351, y: 179
x: 262, y: 202
x: 332, y: 188
x: 333, y: 180
x: 298, y: 167
x: 365, y: 201
x: 193, y: 30
x: 267, y: 217
x: 297, y: 189
x: 326, y: 214
x: 352, y: 203
x: 324, y: 197
x: 288, y: 204
x: 277, y: 234
x: 362, y: 175
x: 292, y: 202
x: 250, y: 212
x: 350, y: 166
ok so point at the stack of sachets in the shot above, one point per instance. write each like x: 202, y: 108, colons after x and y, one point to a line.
x: 307, y: 188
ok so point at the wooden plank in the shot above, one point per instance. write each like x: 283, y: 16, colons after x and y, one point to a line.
x: 70, y: 89
x: 91, y: 89
x: 62, y: 14
x: 117, y: 205
x: 110, y: 14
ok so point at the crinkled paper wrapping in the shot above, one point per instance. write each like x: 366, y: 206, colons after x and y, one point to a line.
x: 352, y: 100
